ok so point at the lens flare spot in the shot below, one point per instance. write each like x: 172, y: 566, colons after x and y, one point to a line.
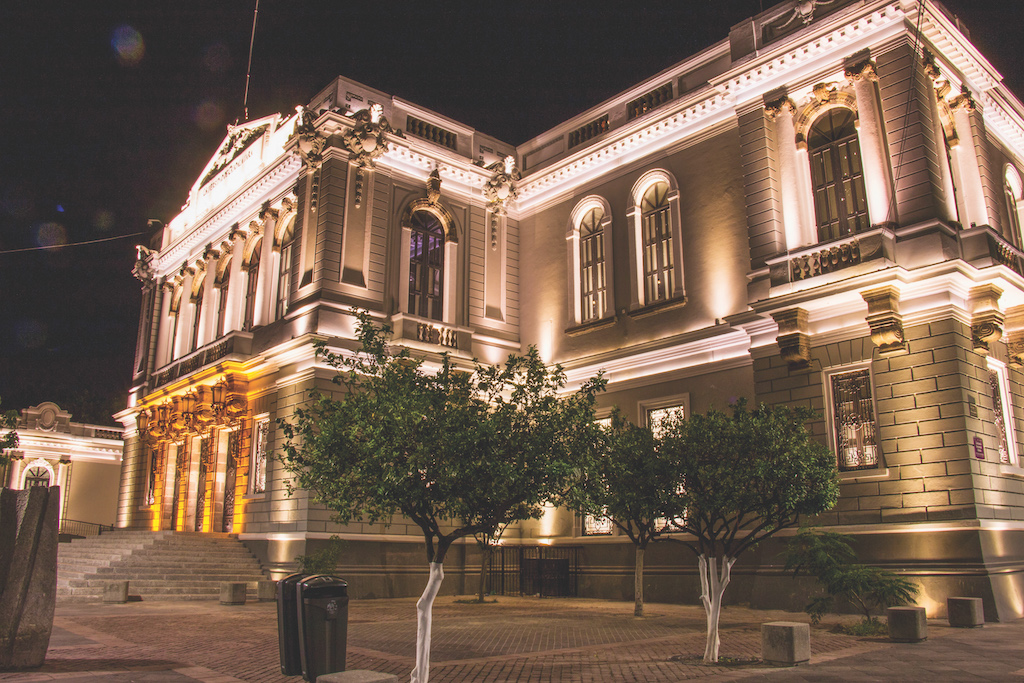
x: 208, y: 115
x: 103, y: 220
x: 30, y: 334
x: 217, y: 58
x: 129, y: 47
x: 51, y: 235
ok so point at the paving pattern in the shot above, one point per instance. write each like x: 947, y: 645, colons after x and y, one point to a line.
x: 517, y: 639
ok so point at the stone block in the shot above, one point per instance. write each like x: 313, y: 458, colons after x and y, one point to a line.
x: 232, y: 593
x: 965, y: 612
x: 266, y: 591
x: 907, y: 624
x: 115, y: 591
x: 356, y: 676
x: 785, y: 643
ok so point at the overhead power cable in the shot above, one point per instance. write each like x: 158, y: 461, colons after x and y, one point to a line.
x: 71, y: 244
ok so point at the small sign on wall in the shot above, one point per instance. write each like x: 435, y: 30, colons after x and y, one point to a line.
x: 979, y: 448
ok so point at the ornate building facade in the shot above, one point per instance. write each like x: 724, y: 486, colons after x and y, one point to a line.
x: 824, y: 208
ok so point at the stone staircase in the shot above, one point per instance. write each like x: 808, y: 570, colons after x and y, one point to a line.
x: 159, y: 565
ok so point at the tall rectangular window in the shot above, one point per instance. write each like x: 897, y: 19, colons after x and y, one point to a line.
x: 258, y: 463
x: 999, y: 389
x: 284, y: 280
x: 592, y: 277
x: 222, y: 309
x: 853, y: 420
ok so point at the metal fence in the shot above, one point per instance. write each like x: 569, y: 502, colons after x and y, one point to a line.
x: 547, y: 571
x: 73, y: 527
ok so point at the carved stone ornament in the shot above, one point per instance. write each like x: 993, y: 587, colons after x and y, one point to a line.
x: 143, y: 269
x: 801, y: 14
x: 205, y: 407
x: 930, y: 66
x: 434, y: 187
x: 500, y: 190
x: 776, y: 107
x: 311, y: 143
x: 369, y: 138
x: 986, y: 318
x: 964, y: 100
x: 794, y: 342
x: 861, y: 71
x: 885, y: 321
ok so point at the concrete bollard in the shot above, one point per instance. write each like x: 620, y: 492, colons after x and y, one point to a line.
x: 232, y: 593
x: 266, y: 591
x: 965, y: 612
x: 785, y: 643
x: 907, y: 624
x: 356, y: 676
x: 115, y: 592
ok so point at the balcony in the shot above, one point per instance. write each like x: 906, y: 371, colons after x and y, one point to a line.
x: 982, y: 247
x: 431, y: 335
x: 237, y: 344
x: 831, y: 257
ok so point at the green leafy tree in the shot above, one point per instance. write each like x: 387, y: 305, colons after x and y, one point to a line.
x: 8, y: 437
x: 741, y: 478
x: 831, y: 559
x: 323, y: 561
x: 458, y: 453
x: 624, y: 481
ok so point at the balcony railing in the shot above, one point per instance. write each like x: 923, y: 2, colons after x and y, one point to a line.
x: 432, y: 332
x: 236, y: 343
x: 822, y: 259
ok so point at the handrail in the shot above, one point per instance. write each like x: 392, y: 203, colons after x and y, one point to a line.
x: 74, y: 527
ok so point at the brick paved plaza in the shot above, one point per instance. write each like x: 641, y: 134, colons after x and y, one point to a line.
x: 517, y: 639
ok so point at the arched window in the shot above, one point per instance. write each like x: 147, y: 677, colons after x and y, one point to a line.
x: 197, y: 315
x: 658, y: 259
x: 592, y: 275
x: 840, y: 203
x: 251, y: 280
x: 172, y: 319
x: 222, y: 307
x: 1012, y: 188
x: 37, y: 476
x: 426, y: 265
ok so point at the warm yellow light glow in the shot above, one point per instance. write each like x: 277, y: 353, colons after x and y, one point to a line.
x: 548, y: 520
x: 546, y: 341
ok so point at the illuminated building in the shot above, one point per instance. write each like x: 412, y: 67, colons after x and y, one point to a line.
x: 823, y: 208
x: 84, y: 460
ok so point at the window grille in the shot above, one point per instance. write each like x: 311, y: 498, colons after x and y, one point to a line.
x: 853, y: 419
x: 1001, y: 414
x: 154, y: 470
x: 252, y: 278
x: 596, y: 526
x: 258, y: 468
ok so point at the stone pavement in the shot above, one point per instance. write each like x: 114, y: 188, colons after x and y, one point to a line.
x: 517, y: 639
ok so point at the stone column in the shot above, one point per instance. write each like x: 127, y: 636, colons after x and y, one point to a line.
x: 259, y: 315
x: 163, y: 329
x: 184, y: 317
x: 965, y: 158
x: 795, y: 186
x: 236, y: 282
x: 14, y: 471
x: 63, y: 481
x: 208, y: 321
x: 871, y: 136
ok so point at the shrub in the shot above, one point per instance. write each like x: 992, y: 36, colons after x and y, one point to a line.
x: 323, y: 561
x: 830, y: 558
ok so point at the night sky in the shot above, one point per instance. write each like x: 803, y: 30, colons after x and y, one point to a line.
x: 110, y: 110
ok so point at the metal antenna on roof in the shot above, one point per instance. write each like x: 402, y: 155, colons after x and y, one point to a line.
x: 248, y: 68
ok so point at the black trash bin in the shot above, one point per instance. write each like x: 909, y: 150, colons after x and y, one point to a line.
x: 288, y: 624
x: 323, y: 624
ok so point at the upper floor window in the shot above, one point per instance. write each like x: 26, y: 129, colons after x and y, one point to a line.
x: 173, y: 318
x: 592, y: 283
x: 658, y: 258
x: 840, y: 202
x: 284, y: 280
x: 222, y: 307
x: 852, y: 419
x: 251, y: 281
x: 426, y: 265
x: 1013, y: 188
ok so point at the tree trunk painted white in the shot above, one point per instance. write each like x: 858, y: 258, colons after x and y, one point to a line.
x: 424, y: 607
x: 638, y: 583
x: 712, y: 587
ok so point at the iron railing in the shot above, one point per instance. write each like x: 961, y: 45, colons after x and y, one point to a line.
x: 74, y: 527
x: 547, y: 571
